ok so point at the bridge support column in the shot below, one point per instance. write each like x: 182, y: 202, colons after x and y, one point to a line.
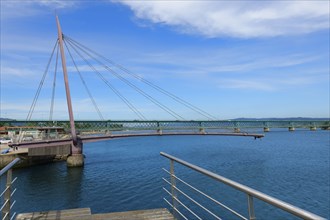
x: 76, y: 159
x: 237, y: 130
x: 266, y: 129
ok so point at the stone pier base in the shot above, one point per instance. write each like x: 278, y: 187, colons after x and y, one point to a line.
x: 75, y: 160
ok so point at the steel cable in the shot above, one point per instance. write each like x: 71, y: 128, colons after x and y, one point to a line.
x: 165, y: 92
x: 125, y: 100
x: 54, y: 85
x: 35, y: 99
x: 84, y: 83
x: 150, y: 98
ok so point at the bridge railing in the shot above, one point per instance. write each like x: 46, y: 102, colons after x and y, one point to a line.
x: 141, y: 125
x: 8, y: 192
x: 42, y: 130
x: 180, y: 209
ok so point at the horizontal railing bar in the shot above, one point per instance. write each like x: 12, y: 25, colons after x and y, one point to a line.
x: 209, y: 197
x: 12, y: 217
x: 182, y: 215
x: 9, y: 166
x: 5, y: 216
x: 3, y: 192
x: 4, y: 204
x: 183, y: 204
x: 262, y: 196
x: 13, y: 192
x: 12, y: 204
x: 14, y: 180
x: 194, y: 201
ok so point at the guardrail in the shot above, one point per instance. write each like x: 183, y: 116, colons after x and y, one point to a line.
x: 110, y: 126
x: 6, y: 195
x: 251, y: 194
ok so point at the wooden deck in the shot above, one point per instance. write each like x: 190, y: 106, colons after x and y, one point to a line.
x: 85, y: 214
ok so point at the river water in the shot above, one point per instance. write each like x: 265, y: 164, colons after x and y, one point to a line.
x: 126, y: 174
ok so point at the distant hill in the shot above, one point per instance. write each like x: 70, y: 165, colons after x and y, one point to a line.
x: 7, y: 119
x: 283, y: 119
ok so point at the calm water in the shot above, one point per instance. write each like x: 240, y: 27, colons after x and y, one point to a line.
x: 125, y: 174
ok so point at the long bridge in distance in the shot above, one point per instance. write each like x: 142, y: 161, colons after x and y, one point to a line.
x: 39, y: 133
x: 161, y: 126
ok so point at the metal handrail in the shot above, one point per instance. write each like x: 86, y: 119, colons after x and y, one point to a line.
x: 207, y: 196
x: 8, y: 193
x: 249, y: 191
x: 9, y: 166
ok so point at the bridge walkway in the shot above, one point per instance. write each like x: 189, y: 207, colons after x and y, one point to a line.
x: 85, y: 214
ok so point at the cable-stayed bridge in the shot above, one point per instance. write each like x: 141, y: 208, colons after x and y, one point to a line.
x: 61, y: 134
x: 67, y: 137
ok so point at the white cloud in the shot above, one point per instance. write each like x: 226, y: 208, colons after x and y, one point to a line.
x: 273, y: 83
x: 243, y: 19
x: 246, y: 84
x: 17, y: 72
x: 12, y: 9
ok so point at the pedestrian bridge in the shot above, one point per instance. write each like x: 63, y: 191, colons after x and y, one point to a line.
x: 86, y: 127
x: 56, y: 134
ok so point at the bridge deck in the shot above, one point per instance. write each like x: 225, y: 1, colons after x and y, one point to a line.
x: 85, y: 139
x: 85, y: 214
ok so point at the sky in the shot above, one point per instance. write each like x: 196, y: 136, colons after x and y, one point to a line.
x: 232, y: 59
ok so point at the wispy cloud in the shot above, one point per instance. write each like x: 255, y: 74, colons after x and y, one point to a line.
x: 17, y: 72
x: 274, y: 82
x: 215, y: 61
x: 243, y: 19
x: 17, y: 8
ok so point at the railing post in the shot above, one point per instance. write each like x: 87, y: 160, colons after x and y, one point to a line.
x: 159, y: 128
x: 201, y: 128
x: 252, y: 215
x: 7, y: 195
x: 173, y: 191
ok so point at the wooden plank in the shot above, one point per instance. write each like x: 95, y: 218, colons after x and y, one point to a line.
x: 85, y: 214
x: 151, y: 214
x: 80, y: 213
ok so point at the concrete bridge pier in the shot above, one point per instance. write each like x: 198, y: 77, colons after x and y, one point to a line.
x: 237, y: 130
x: 76, y: 159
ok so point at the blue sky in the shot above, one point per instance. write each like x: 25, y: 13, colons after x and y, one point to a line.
x: 230, y: 58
